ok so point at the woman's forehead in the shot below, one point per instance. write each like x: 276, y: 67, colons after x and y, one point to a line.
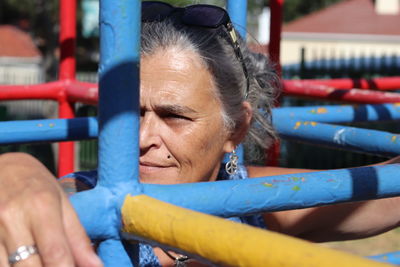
x: 176, y: 78
x: 175, y: 68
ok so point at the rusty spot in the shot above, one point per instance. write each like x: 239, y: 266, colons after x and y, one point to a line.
x: 394, y: 138
x: 51, y: 124
x: 297, y: 125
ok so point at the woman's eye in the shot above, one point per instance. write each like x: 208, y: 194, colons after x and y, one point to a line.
x: 172, y: 116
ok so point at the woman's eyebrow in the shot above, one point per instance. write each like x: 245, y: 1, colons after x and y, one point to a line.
x: 175, y: 109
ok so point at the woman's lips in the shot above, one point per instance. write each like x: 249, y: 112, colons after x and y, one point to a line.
x: 145, y: 167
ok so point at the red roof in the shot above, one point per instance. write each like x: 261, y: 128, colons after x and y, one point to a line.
x: 16, y: 43
x: 348, y: 17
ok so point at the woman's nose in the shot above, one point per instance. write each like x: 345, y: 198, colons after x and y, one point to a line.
x: 149, y: 135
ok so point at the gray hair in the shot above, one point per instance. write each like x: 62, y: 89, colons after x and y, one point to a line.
x: 216, y: 50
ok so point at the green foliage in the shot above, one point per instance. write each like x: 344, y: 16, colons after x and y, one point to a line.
x: 294, y: 9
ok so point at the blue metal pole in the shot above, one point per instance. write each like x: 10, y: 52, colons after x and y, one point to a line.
x: 119, y: 92
x: 53, y: 130
x: 339, y: 113
x: 392, y: 257
x: 284, y: 192
x: 338, y: 136
x: 119, y: 116
x: 237, y: 10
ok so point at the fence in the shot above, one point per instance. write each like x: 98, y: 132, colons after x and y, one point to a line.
x: 338, y: 65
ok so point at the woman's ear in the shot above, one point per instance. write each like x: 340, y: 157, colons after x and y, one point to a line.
x: 241, y: 130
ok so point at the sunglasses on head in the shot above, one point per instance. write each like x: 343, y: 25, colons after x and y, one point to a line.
x: 201, y: 15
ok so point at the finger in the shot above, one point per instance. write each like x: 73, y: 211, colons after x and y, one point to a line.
x: 80, y: 244
x: 15, y: 233
x: 3, y: 257
x: 48, y: 231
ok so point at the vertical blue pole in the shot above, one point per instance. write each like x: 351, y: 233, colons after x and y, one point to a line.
x: 237, y: 10
x: 119, y: 92
x: 119, y: 116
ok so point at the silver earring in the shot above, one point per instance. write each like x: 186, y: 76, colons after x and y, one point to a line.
x: 231, y: 166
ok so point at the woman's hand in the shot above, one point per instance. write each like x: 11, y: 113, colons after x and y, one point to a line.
x: 35, y: 211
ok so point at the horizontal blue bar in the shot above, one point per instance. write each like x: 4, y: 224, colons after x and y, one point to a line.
x: 340, y: 114
x: 392, y: 258
x: 243, y: 197
x: 338, y: 136
x: 31, y: 131
x: 233, y: 198
x: 349, y: 138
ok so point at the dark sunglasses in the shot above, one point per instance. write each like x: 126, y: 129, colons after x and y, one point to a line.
x: 206, y: 16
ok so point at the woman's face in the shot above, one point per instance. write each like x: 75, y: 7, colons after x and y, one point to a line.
x: 182, y: 135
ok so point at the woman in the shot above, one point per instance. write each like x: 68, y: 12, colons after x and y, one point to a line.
x: 201, y: 90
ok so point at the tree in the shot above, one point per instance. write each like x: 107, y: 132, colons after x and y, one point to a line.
x: 294, y: 9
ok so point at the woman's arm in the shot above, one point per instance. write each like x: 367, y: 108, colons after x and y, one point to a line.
x: 35, y: 211
x: 334, y: 222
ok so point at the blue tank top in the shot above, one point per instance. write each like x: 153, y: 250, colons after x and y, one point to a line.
x: 147, y: 258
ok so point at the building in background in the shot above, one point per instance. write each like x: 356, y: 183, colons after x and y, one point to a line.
x: 347, y: 29
x: 20, y: 59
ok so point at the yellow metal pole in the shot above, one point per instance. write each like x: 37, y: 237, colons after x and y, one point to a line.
x: 225, y: 242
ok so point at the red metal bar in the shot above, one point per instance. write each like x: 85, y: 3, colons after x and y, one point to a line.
x: 67, y: 39
x: 66, y: 72
x: 384, y: 83
x: 82, y: 92
x: 65, y: 149
x: 274, y: 46
x: 298, y: 88
x: 38, y: 91
x: 274, y: 49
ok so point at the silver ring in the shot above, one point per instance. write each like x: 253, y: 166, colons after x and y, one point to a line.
x: 22, y: 253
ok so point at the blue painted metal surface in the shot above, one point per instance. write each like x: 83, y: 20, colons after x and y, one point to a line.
x: 119, y: 92
x: 119, y: 120
x: 393, y: 257
x: 339, y: 113
x: 337, y: 136
x: 237, y: 10
x: 230, y: 198
x: 15, y: 132
x: 241, y: 197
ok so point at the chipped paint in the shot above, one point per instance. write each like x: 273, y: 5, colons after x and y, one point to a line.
x: 312, y: 123
x: 319, y: 111
x: 295, y: 188
x: 289, y: 179
x: 298, y: 179
x: 305, y: 123
x: 339, y: 137
x: 51, y: 125
x: 268, y: 185
x: 39, y: 125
